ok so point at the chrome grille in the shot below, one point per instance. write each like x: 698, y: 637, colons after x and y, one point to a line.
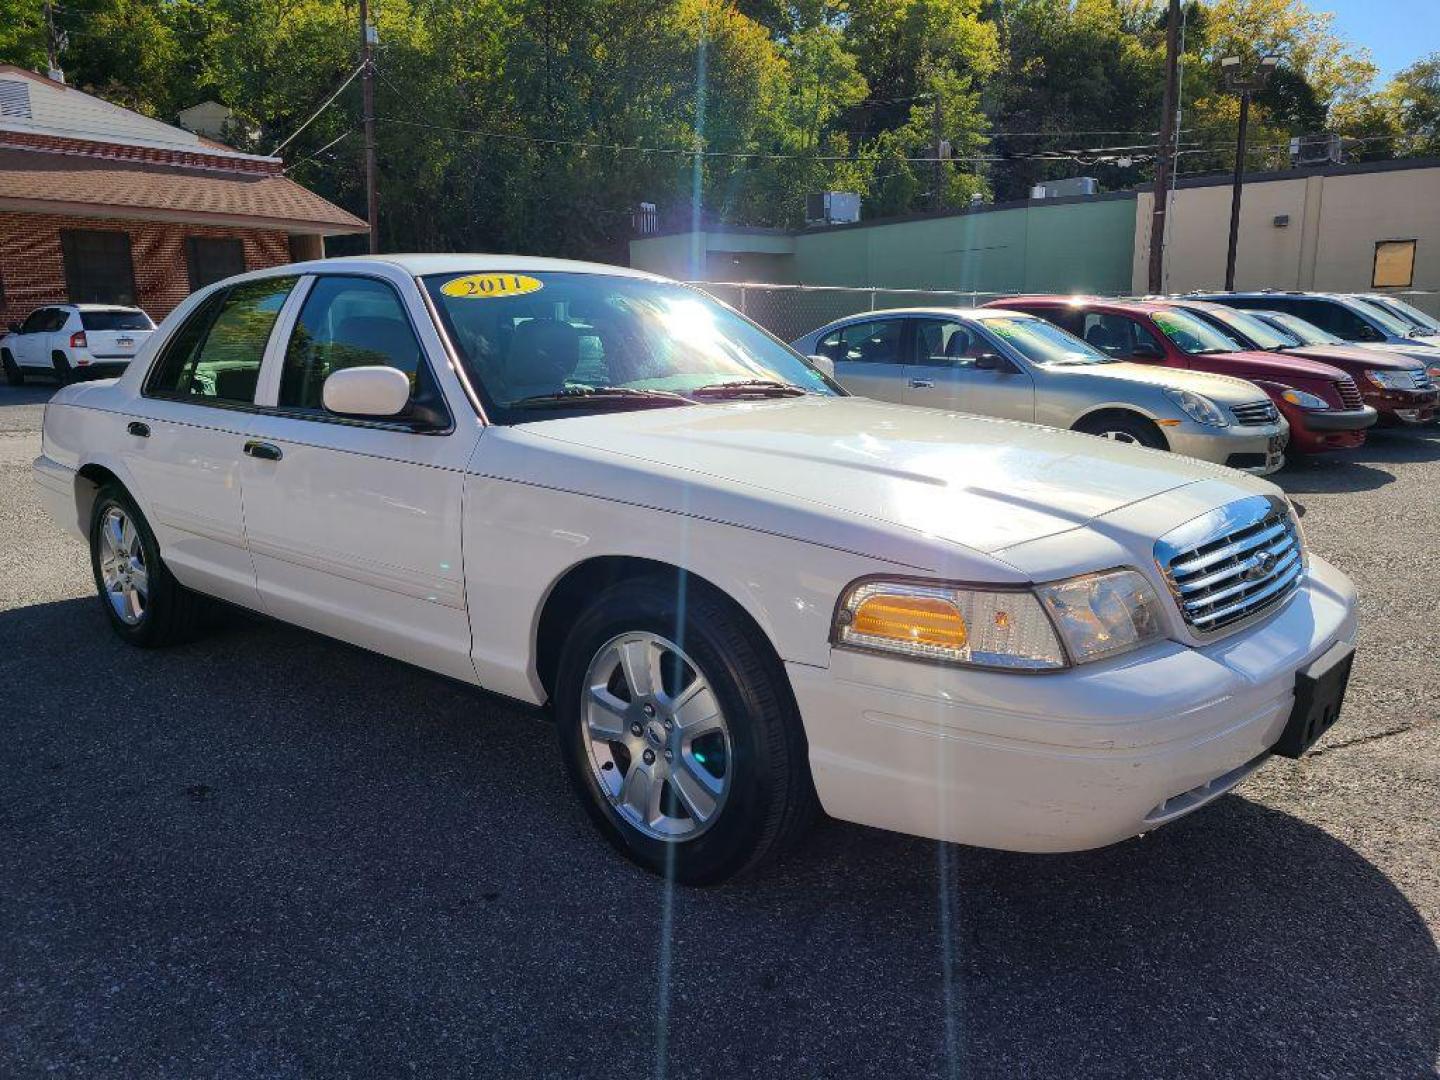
x: 1349, y: 393
x: 1233, y: 563
x: 1255, y: 413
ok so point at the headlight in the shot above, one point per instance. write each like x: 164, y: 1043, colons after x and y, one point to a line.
x: 985, y: 628
x: 1200, y: 409
x: 1303, y: 400
x: 1103, y: 614
x: 1096, y: 615
x: 1392, y: 380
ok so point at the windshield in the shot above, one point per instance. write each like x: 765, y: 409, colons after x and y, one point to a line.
x: 536, y: 344
x: 1382, y: 318
x: 1042, y: 342
x: 1262, y: 333
x: 1409, y: 312
x: 1307, y: 332
x: 1191, y: 334
x: 115, y: 320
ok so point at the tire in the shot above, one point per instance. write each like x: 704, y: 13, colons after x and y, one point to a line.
x: 760, y: 791
x: 13, y: 375
x: 1124, y: 428
x: 167, y: 612
x: 64, y: 373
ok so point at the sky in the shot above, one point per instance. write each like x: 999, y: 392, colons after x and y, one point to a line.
x: 1397, y: 32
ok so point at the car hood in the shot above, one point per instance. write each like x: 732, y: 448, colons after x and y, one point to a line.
x: 1263, y: 365
x: 851, y: 472
x: 1226, y: 389
x: 1352, y: 356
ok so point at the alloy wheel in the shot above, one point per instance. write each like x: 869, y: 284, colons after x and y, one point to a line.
x: 658, y: 743
x: 122, y: 566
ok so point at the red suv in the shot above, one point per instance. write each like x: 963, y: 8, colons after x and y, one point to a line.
x: 1394, y: 385
x: 1321, y: 403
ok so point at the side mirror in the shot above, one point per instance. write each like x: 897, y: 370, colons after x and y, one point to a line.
x: 366, y: 391
x: 989, y: 361
x: 822, y: 364
x: 14, y: 328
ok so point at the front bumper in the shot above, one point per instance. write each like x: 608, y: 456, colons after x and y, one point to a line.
x: 1068, y: 761
x: 1341, y: 419
x: 1259, y: 449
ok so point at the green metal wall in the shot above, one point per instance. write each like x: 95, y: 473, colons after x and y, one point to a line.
x: 1062, y: 246
x: 1065, y: 247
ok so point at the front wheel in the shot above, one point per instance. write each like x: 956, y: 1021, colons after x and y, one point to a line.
x: 146, y: 606
x: 1134, y: 430
x: 13, y: 375
x: 679, y: 732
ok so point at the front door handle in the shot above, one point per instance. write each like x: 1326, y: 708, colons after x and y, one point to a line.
x: 138, y: 429
x: 921, y: 384
x: 263, y: 450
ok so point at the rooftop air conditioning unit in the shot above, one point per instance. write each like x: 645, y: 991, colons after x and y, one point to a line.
x: 1316, y: 150
x: 1060, y: 189
x: 832, y: 208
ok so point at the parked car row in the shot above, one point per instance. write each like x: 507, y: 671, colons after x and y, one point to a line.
x: 69, y: 341
x: 740, y: 591
x: 1217, y: 378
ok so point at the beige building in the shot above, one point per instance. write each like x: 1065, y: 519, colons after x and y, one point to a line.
x: 1344, y: 228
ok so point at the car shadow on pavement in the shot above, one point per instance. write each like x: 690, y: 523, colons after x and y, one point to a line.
x: 1364, y: 469
x: 265, y: 853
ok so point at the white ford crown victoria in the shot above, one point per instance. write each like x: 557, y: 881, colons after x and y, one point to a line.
x: 737, y: 588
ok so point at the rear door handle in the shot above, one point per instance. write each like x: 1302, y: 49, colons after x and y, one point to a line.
x: 138, y: 429
x: 263, y: 450
x: 921, y: 384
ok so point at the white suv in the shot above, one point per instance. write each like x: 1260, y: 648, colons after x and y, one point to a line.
x: 73, y: 340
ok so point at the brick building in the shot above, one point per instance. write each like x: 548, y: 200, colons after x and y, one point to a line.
x: 99, y: 204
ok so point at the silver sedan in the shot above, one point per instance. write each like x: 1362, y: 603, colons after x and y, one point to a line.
x: 1006, y: 364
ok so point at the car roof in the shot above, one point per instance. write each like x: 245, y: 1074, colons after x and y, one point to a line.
x: 1056, y: 300
x: 913, y: 312
x: 419, y: 264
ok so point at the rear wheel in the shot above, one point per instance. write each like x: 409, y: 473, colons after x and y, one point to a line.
x: 679, y: 732
x: 64, y: 373
x: 13, y: 375
x: 1123, y: 428
x: 144, y: 603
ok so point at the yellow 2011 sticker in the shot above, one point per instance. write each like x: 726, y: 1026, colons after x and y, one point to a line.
x: 491, y: 286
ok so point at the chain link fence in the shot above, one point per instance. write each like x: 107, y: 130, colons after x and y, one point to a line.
x: 790, y: 311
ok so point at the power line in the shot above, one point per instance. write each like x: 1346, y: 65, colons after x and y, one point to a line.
x: 325, y: 105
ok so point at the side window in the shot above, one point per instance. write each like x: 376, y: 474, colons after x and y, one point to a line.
x: 349, y: 322
x: 58, y: 318
x: 1114, y: 335
x: 942, y: 341
x: 36, y: 321
x: 215, y: 356
x: 1338, y: 319
x: 870, y: 343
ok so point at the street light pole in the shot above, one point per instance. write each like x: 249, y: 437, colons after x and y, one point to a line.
x: 1245, y: 86
x: 367, y: 117
x: 1235, y: 188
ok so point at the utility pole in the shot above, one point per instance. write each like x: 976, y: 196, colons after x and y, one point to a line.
x: 367, y: 86
x: 936, y: 128
x: 1245, y: 86
x: 1165, y: 158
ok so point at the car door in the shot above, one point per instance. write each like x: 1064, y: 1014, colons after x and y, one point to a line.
x: 30, y: 344
x: 184, y: 443
x: 946, y: 370
x: 869, y: 357
x: 354, y: 525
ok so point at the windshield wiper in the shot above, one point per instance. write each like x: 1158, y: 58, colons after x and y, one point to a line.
x: 748, y: 388
x: 594, y: 395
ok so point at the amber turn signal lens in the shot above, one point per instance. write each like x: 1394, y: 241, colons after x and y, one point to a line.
x: 919, y: 620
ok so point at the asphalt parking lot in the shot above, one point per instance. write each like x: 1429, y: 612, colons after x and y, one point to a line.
x: 268, y: 854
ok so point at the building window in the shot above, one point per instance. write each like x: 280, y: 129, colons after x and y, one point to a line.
x: 210, y: 259
x: 98, y: 268
x: 1394, y: 264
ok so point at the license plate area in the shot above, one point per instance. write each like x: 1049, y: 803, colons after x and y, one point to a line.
x: 1319, y: 694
